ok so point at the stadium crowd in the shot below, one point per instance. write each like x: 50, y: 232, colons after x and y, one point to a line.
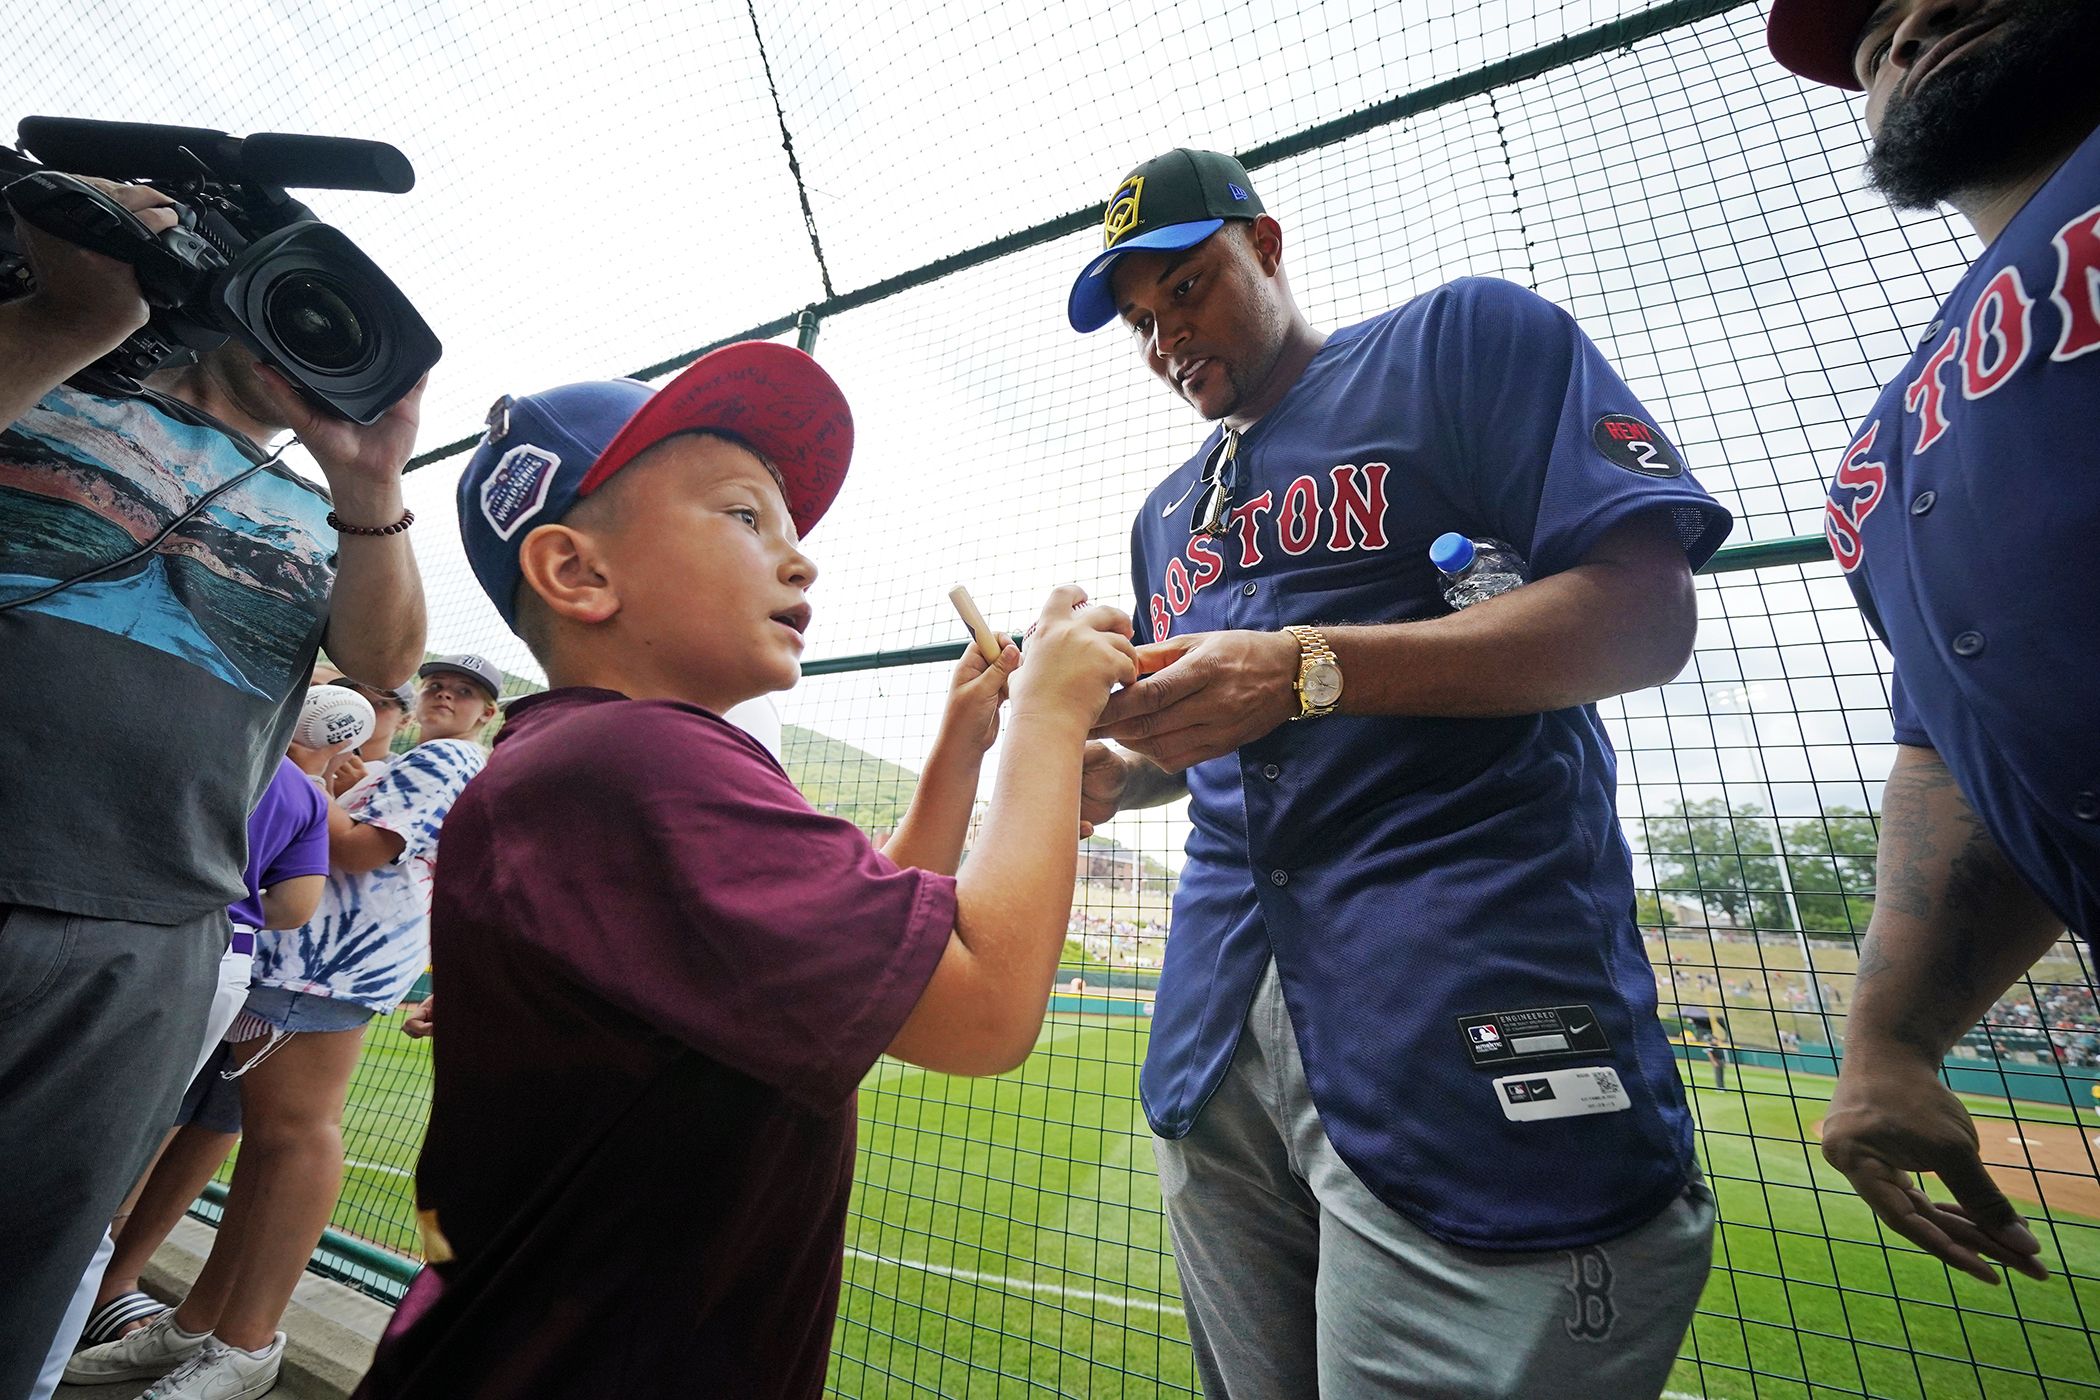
x: 2062, y: 1017
x: 665, y: 973
x: 1108, y: 939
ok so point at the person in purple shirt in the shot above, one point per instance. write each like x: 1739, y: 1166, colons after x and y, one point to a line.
x: 287, y: 869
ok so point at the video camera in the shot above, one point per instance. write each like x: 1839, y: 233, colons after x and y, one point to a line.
x: 246, y: 259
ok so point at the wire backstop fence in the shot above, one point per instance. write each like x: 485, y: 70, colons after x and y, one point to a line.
x: 605, y: 190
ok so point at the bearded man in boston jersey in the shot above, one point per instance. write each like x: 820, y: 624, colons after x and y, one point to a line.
x: 1963, y: 513
x: 1418, y: 1128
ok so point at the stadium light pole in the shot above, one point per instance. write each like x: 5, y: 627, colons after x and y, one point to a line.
x: 1737, y: 700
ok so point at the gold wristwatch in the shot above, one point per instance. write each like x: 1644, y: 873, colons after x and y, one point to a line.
x: 1319, y: 683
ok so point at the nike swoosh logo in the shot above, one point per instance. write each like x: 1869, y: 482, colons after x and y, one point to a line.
x: 1578, y: 1030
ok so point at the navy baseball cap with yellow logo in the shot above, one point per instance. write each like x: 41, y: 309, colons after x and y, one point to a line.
x: 1171, y: 202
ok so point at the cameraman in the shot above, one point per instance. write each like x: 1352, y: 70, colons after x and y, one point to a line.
x: 147, y: 708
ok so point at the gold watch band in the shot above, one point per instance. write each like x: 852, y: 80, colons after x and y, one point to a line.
x: 1313, y: 651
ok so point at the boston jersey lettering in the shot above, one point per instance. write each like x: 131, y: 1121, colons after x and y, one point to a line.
x: 1350, y: 513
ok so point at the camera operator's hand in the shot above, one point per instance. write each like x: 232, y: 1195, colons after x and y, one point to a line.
x: 84, y: 297
x: 362, y: 461
x: 375, y: 623
x: 83, y: 306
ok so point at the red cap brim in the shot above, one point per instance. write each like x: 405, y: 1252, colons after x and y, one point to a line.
x: 774, y: 397
x: 1816, y: 38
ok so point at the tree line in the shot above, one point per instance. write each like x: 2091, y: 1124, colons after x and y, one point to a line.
x: 1724, y: 861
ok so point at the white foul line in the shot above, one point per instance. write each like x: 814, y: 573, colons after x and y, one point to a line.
x: 999, y: 1281
x: 376, y: 1167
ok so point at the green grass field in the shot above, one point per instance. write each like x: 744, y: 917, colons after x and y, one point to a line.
x: 1006, y: 1240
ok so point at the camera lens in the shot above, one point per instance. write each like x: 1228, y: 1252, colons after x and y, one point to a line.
x: 313, y: 317
x: 306, y: 300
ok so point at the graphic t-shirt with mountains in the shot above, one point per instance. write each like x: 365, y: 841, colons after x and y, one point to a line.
x: 147, y: 706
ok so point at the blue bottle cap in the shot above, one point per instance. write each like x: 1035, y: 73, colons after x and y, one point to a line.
x: 1451, y: 552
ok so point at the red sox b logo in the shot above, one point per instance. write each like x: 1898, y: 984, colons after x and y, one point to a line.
x: 1593, y: 1312
x: 1859, y: 488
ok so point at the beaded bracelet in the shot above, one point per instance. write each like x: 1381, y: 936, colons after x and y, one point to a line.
x: 335, y: 522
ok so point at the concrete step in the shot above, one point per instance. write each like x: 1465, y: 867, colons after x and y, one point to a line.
x: 329, y: 1329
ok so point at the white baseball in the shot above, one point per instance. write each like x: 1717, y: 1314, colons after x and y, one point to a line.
x: 332, y: 715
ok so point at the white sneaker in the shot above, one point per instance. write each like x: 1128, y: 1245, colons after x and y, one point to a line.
x: 220, y: 1372
x: 154, y: 1350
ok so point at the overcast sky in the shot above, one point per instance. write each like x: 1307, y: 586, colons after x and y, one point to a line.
x: 602, y: 185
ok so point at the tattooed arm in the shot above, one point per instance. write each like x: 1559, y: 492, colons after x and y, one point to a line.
x: 1953, y: 927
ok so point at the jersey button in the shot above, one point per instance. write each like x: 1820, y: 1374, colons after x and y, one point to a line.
x: 1967, y: 644
x: 2086, y: 806
x: 1271, y: 772
x: 1279, y: 877
x: 1923, y: 502
x: 1247, y: 590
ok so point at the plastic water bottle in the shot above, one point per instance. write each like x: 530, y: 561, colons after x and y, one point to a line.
x: 1476, y: 570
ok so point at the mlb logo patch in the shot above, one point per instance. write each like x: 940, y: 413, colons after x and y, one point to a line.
x: 517, y: 489
x: 1484, y: 1035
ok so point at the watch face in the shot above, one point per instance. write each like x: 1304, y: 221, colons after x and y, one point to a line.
x: 1323, y: 684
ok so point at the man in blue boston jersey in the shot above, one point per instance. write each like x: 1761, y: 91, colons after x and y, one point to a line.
x: 1963, y: 515
x: 1419, y: 1131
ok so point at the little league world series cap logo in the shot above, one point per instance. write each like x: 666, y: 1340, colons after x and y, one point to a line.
x: 1123, y: 210
x: 517, y: 489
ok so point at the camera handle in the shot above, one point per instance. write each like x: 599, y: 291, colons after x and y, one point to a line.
x: 171, y: 265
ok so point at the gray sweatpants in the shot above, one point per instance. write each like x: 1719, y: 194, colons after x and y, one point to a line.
x: 1298, y: 1282
x: 99, y: 1025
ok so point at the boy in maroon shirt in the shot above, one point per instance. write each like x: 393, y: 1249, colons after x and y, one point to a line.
x: 664, y: 972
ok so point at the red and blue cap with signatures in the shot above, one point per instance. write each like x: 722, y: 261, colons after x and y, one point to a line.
x: 547, y: 451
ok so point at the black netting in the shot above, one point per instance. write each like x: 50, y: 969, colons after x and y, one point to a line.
x: 603, y: 188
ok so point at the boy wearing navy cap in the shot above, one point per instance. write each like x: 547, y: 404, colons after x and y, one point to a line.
x: 664, y: 972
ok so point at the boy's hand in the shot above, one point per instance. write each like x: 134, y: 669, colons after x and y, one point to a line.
x: 347, y: 772
x: 314, y: 762
x: 423, y: 1020
x: 971, y: 720
x: 1076, y: 655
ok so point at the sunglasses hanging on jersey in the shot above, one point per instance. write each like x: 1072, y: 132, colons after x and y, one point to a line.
x: 1220, y: 478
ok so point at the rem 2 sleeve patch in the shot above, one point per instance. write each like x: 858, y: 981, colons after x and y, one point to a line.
x: 1628, y: 442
